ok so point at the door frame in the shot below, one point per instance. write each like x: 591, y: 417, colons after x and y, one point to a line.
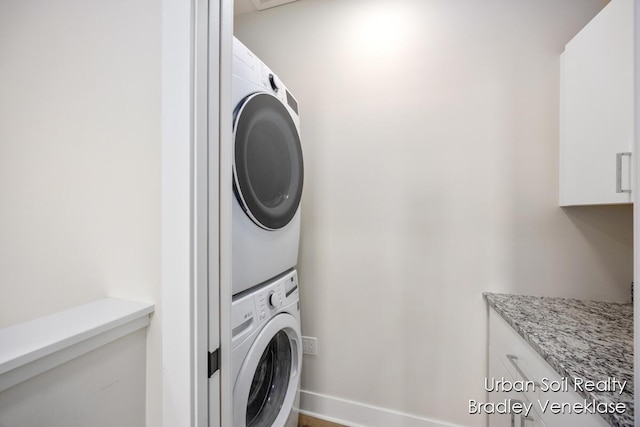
x: 196, y: 211
x: 636, y: 209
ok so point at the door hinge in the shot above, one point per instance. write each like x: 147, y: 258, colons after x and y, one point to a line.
x: 214, y: 361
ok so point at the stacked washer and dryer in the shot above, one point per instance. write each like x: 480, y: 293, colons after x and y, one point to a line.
x: 268, y: 177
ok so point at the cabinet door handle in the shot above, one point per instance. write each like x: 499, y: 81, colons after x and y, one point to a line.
x: 513, y: 416
x: 514, y: 361
x: 619, y: 172
x: 524, y: 419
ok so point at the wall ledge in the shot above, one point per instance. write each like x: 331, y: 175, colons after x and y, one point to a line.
x: 31, y: 348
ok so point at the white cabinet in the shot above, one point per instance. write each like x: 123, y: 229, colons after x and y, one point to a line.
x: 513, y: 359
x: 530, y: 419
x: 596, y: 110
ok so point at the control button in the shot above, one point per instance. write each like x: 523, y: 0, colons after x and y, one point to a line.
x: 274, y: 299
x: 274, y: 84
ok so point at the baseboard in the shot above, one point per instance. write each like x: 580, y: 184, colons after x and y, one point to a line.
x: 354, y: 414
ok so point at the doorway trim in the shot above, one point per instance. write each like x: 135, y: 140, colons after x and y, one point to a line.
x: 196, y: 52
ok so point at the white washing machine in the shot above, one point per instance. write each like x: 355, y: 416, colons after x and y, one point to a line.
x: 267, y: 354
x: 267, y: 170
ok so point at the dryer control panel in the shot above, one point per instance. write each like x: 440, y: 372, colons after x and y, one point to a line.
x: 253, y: 308
x: 247, y: 66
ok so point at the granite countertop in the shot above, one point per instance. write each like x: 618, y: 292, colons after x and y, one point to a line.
x: 579, y: 339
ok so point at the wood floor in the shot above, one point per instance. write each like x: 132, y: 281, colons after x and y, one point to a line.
x: 307, y: 421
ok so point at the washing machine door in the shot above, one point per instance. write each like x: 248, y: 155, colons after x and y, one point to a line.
x: 268, y: 170
x: 267, y: 382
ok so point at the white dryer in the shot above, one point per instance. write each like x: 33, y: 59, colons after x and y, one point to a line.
x: 267, y: 354
x: 268, y: 173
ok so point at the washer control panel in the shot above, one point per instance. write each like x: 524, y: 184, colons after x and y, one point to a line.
x: 275, y: 295
x: 250, y: 311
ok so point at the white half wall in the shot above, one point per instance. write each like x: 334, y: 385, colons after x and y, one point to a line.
x: 430, y: 135
x: 103, y: 388
x: 80, y: 156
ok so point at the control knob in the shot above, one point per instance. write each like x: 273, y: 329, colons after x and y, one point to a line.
x: 274, y: 299
x: 273, y: 81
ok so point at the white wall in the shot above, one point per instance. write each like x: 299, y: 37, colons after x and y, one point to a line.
x: 430, y: 134
x: 80, y: 160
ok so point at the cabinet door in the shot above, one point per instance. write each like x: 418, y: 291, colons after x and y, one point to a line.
x: 498, y: 371
x: 504, y: 340
x: 596, y: 109
x: 533, y: 420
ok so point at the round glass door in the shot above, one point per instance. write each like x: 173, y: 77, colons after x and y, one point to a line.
x: 270, y: 382
x: 268, y: 168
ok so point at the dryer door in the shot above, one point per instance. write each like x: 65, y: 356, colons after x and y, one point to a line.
x: 268, y: 170
x: 267, y: 382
